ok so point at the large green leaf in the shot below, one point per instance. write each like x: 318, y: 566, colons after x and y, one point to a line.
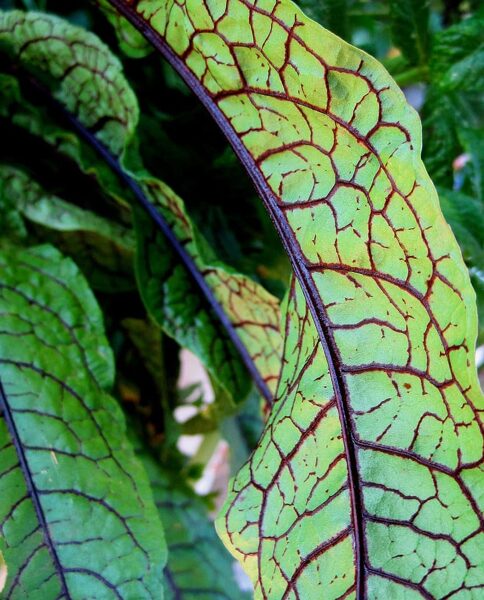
x: 196, y: 302
x: 365, y: 483
x: 77, y: 515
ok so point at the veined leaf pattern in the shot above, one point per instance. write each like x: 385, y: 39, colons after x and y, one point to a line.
x: 77, y: 517
x: 334, y: 151
x: 168, y: 290
x: 88, y: 78
x: 250, y: 309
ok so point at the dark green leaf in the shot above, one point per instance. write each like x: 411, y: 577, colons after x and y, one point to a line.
x: 77, y: 516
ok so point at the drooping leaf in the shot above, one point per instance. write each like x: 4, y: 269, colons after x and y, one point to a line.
x: 103, y: 249
x: 77, y: 515
x: 199, y: 567
x: 252, y: 311
x: 365, y: 482
x: 223, y: 292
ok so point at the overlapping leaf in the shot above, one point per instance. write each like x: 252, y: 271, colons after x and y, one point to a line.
x: 251, y: 310
x: 366, y: 480
x: 77, y: 517
x: 56, y: 51
x: 102, y: 248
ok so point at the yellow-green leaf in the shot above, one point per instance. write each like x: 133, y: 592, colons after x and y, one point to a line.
x: 365, y: 483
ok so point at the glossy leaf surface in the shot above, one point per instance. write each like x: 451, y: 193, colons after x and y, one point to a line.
x: 367, y: 484
x: 77, y: 516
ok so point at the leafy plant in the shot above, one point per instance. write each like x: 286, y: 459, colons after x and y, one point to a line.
x: 351, y: 346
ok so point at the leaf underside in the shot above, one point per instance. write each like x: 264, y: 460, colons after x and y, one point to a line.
x: 365, y: 482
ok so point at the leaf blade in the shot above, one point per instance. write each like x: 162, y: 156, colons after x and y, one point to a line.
x: 320, y: 156
x: 74, y: 491
x: 109, y: 130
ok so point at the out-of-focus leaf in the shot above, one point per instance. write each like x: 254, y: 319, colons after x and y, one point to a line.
x: 104, y: 250
x: 199, y: 567
x: 465, y: 215
x: 332, y: 14
x: 77, y: 516
x: 441, y: 146
x: 410, y: 28
x: 457, y: 61
x: 472, y: 141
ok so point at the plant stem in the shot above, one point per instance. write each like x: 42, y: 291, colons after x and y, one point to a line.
x: 413, y: 75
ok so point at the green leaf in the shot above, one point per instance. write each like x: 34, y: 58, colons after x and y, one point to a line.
x: 465, y: 215
x: 365, y: 483
x: 77, y: 515
x: 251, y: 310
x: 442, y: 146
x: 451, y: 108
x: 198, y: 566
x: 103, y: 249
x: 78, y: 66
x: 410, y: 28
x: 457, y: 61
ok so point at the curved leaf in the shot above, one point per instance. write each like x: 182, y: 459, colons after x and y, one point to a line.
x: 77, y: 66
x: 171, y: 287
x: 77, y: 516
x: 372, y: 479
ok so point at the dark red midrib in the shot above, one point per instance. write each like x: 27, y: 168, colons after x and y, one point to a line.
x: 32, y: 489
x: 302, y: 273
